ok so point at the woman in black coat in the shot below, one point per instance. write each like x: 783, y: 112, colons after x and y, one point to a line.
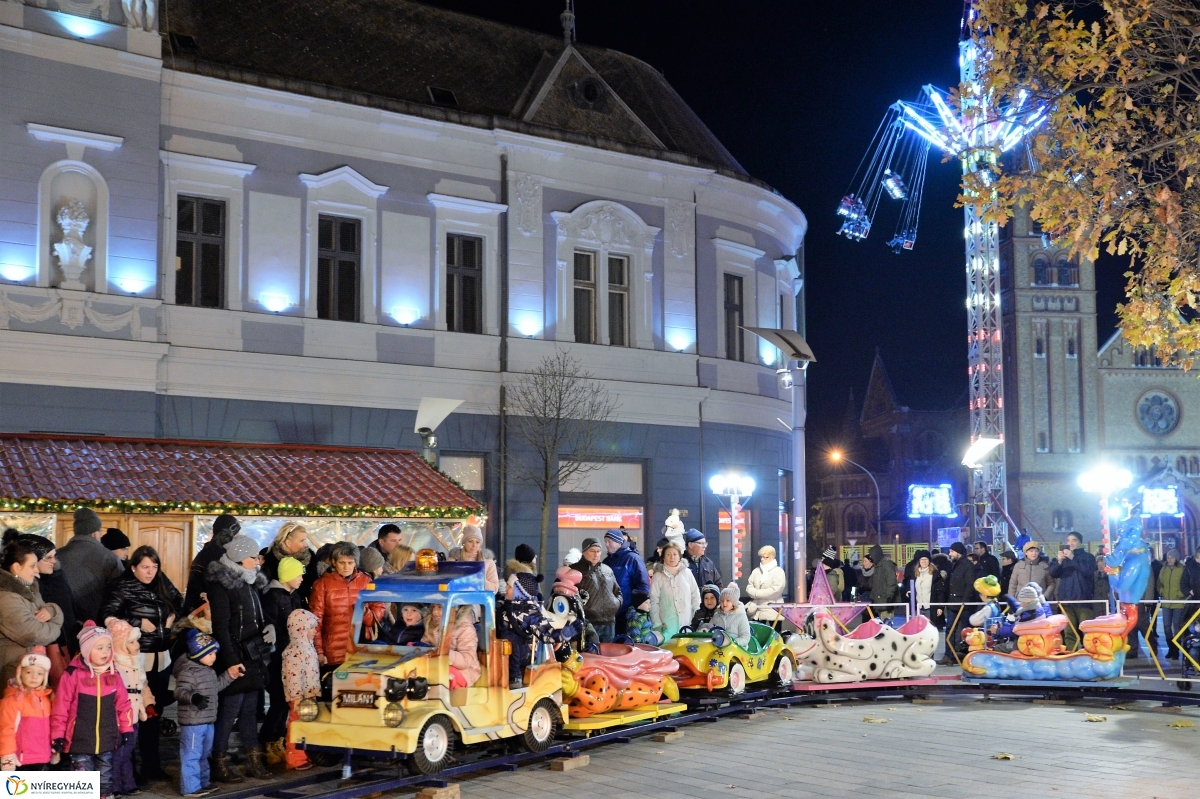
x: 149, y: 601
x: 239, y: 625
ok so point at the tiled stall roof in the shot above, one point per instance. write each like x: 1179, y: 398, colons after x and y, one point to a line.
x: 394, y: 51
x: 57, y: 473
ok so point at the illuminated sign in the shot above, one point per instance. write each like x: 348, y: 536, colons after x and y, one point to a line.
x: 931, y: 501
x: 724, y: 524
x: 602, y: 518
x: 1160, y: 502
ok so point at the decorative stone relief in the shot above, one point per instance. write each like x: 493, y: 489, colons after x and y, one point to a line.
x: 71, y: 252
x: 606, y: 225
x: 681, y: 228
x: 72, y: 312
x: 1055, y: 303
x: 527, y: 214
x: 1157, y: 412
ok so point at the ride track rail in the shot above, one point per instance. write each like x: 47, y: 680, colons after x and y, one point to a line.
x: 705, y: 708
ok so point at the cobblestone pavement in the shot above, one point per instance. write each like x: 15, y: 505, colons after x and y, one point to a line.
x: 920, y: 751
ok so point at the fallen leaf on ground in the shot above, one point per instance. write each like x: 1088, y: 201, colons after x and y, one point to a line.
x: 732, y: 786
x: 1003, y: 756
x: 658, y: 752
x: 892, y: 708
x: 787, y: 718
x: 1183, y: 723
x: 1119, y: 707
x: 1094, y: 717
x: 872, y: 720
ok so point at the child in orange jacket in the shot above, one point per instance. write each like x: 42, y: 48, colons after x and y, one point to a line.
x: 25, y: 716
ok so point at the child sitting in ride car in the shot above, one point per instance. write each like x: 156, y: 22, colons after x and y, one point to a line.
x: 409, y: 629
x: 710, y: 598
x: 731, y: 616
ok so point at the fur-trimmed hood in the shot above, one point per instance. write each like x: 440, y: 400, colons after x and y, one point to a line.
x: 456, y: 554
x: 517, y: 567
x: 304, y: 556
x: 219, y: 573
x: 11, y: 584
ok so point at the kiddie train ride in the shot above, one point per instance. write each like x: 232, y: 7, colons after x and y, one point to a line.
x: 1024, y: 641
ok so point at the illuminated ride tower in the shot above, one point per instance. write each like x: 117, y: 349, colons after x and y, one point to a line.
x: 895, y: 166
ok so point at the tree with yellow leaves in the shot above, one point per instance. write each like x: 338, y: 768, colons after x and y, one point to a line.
x: 1115, y: 162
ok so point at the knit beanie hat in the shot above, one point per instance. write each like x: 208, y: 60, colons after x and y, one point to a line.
x: 88, y: 637
x: 958, y: 547
x: 370, y: 559
x: 225, y: 527
x: 86, y: 521
x: 471, y: 531
x: 732, y: 593
x: 289, y: 569
x: 36, y: 656
x: 693, y: 535
x: 614, y: 535
x: 241, y: 547
x: 114, y: 539
x: 524, y: 553
x: 200, y: 644
x: 1029, y: 593
x: 588, y: 543
x: 713, y: 589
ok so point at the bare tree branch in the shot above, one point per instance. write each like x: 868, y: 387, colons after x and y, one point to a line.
x: 560, y: 413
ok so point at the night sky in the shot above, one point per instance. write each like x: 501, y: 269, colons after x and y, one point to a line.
x: 795, y: 91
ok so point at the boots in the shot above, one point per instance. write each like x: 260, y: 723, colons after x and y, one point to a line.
x: 254, y: 765
x: 223, y: 772
x: 275, y: 752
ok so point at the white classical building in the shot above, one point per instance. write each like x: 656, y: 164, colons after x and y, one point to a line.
x: 292, y: 226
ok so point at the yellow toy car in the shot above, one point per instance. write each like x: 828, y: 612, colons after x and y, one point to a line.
x: 714, y: 661
x: 393, y: 694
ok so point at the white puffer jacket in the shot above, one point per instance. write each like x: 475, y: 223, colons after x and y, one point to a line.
x: 766, y: 584
x: 674, y: 599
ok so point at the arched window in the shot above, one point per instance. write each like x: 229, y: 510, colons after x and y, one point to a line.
x: 1043, y: 443
x: 1042, y: 272
x: 856, y: 520
x: 1071, y: 348
x: 1181, y: 465
x: 1039, y: 348
x: 1067, y: 274
x: 1193, y: 465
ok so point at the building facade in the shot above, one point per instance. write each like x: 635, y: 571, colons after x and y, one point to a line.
x: 1071, y: 403
x: 900, y: 446
x: 292, y: 228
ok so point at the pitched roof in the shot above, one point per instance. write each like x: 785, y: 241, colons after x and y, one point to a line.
x: 880, y: 397
x: 392, y: 52
x: 51, y: 473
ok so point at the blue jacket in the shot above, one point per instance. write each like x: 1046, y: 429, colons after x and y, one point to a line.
x: 630, y: 570
x: 1075, y: 577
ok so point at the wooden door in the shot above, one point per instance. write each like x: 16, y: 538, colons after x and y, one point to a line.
x: 66, y: 526
x: 170, y: 538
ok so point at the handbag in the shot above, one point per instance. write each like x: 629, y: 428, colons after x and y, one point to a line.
x: 59, y: 658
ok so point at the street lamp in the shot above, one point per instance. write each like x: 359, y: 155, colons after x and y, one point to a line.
x: 735, y: 488
x: 838, y: 457
x: 1105, y: 480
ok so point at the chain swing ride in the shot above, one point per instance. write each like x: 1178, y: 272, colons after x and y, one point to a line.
x: 895, y: 165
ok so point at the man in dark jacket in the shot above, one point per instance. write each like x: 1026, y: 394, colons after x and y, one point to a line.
x: 1189, y: 583
x: 1074, y: 573
x: 1008, y: 562
x: 387, y: 538
x: 225, y: 527
x: 89, y: 566
x: 960, y: 588
x: 630, y: 573
x: 986, y: 563
x: 884, y: 588
x: 703, y: 569
x: 603, y: 593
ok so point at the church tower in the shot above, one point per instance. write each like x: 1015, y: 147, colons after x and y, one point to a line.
x: 1048, y: 311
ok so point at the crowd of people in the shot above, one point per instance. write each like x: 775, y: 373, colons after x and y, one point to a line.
x: 96, y: 631
x: 1074, y: 580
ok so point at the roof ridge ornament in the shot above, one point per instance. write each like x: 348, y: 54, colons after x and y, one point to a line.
x: 567, y: 18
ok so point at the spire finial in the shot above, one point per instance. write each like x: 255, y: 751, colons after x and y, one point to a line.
x: 567, y: 17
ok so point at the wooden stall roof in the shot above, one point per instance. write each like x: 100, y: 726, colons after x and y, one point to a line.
x: 57, y: 473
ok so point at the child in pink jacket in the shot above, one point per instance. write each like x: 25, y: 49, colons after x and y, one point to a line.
x: 301, y: 676
x: 25, y: 716
x: 92, y: 716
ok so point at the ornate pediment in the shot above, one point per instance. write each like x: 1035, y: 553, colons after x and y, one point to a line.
x: 606, y: 224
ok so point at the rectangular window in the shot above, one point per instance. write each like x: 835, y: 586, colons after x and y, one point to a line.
x: 618, y: 301
x: 464, y: 283
x: 734, y: 319
x: 585, y: 298
x: 338, y: 258
x: 199, y: 252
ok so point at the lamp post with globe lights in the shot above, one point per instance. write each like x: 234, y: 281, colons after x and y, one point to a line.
x: 736, y: 488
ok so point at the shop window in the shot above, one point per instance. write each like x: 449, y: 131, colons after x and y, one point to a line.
x: 734, y: 318
x: 464, y: 283
x: 339, y: 256
x: 199, y: 251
